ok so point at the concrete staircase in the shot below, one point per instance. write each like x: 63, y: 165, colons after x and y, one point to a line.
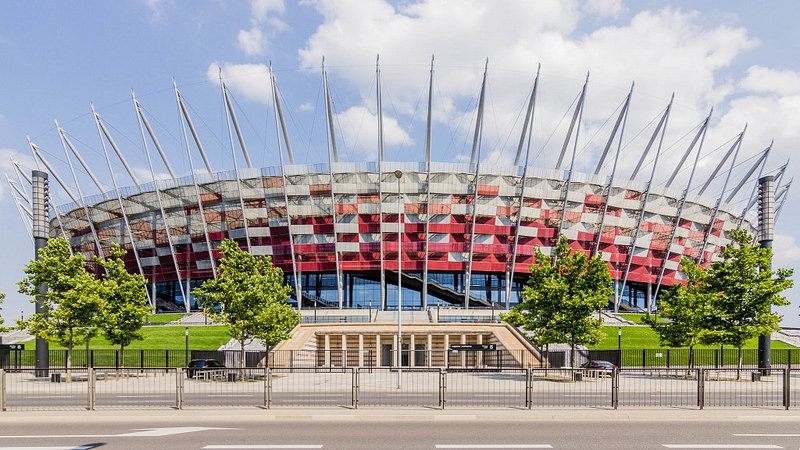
x: 407, y: 317
x: 15, y: 337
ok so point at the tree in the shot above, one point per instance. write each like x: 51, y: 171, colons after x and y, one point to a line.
x: 686, y: 309
x: 250, y: 297
x: 2, y: 328
x: 563, y: 291
x: 71, y: 302
x: 126, y: 307
x: 744, y: 288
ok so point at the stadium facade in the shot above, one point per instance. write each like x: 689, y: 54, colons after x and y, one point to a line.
x: 460, y: 234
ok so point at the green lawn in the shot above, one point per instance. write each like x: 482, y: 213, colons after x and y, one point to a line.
x: 637, y: 317
x: 162, y: 318
x: 164, y: 337
x: 644, y: 337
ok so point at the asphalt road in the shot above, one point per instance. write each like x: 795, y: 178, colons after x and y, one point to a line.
x: 226, y: 430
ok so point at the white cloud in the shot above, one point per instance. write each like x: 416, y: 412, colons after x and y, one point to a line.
x: 144, y: 175
x: 249, y: 80
x: 24, y: 160
x: 252, y: 41
x: 265, y: 25
x: 604, y: 8
x: 306, y: 106
x: 157, y: 8
x: 786, y: 251
x: 770, y: 81
x: 664, y: 51
x: 360, y: 128
x: 261, y: 8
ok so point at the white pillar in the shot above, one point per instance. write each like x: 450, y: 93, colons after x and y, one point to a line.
x: 360, y: 350
x: 413, y: 351
x: 463, y: 355
x: 344, y: 350
x: 327, y: 350
x: 397, y: 359
x: 446, y: 349
x: 378, y: 361
x: 479, y: 359
x: 430, y: 350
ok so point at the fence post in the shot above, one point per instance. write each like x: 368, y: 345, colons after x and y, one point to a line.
x: 701, y: 387
x: 166, y: 358
x: 442, y: 387
x: 644, y: 358
x: 2, y: 390
x: 787, y: 388
x: 668, y: 358
x: 90, y: 380
x: 179, y: 388
x: 141, y: 359
x: 116, y: 359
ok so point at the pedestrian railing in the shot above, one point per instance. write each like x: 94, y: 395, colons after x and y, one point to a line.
x: 354, y: 387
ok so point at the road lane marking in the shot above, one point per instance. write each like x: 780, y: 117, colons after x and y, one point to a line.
x: 493, y: 446
x: 261, y: 446
x: 766, y: 435
x: 145, y: 432
x: 721, y: 446
x: 82, y: 447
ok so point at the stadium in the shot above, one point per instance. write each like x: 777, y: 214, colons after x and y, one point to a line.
x: 460, y: 234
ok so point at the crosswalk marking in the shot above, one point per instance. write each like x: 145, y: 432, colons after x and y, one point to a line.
x: 482, y: 446
x: 261, y: 446
x: 699, y: 446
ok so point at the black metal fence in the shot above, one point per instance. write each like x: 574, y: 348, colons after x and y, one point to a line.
x: 104, y: 388
x: 718, y: 358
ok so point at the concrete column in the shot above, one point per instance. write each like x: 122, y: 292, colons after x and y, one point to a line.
x: 413, y: 351
x: 397, y: 360
x: 479, y: 359
x: 360, y: 350
x: 463, y: 355
x: 446, y: 349
x: 378, y: 356
x: 429, y: 347
x: 327, y: 349
x: 344, y: 350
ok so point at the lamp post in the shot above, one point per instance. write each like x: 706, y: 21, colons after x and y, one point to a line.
x: 399, y: 174
x: 619, y: 341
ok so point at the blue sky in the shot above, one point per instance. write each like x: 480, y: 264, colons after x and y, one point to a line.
x: 737, y: 56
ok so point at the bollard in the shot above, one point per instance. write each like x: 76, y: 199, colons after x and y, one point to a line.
x: 269, y: 388
x: 701, y: 383
x: 615, y: 388
x: 179, y: 373
x: 442, y: 387
x: 354, y: 394
x: 528, y: 388
x: 2, y: 390
x: 90, y: 382
x: 787, y: 388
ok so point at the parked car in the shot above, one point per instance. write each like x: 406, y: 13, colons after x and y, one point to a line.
x: 599, y: 365
x: 201, y: 365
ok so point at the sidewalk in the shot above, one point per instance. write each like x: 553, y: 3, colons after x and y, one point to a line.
x: 231, y: 416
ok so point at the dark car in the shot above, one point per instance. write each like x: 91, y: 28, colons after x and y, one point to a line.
x: 595, y: 364
x: 201, y: 365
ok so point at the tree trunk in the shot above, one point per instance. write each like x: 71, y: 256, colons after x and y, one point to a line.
x: 69, y: 363
x: 691, y: 356
x: 122, y: 356
x: 572, y: 354
x: 242, y: 362
x: 739, y: 364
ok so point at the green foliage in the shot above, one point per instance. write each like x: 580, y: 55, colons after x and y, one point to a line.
x: 744, y: 288
x: 72, y: 304
x: 562, y: 293
x: 687, y: 308
x: 125, y: 295
x: 250, y: 297
x: 2, y: 328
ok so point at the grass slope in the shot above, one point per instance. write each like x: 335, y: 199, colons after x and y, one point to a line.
x: 163, y: 337
x: 163, y: 318
x: 644, y: 337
